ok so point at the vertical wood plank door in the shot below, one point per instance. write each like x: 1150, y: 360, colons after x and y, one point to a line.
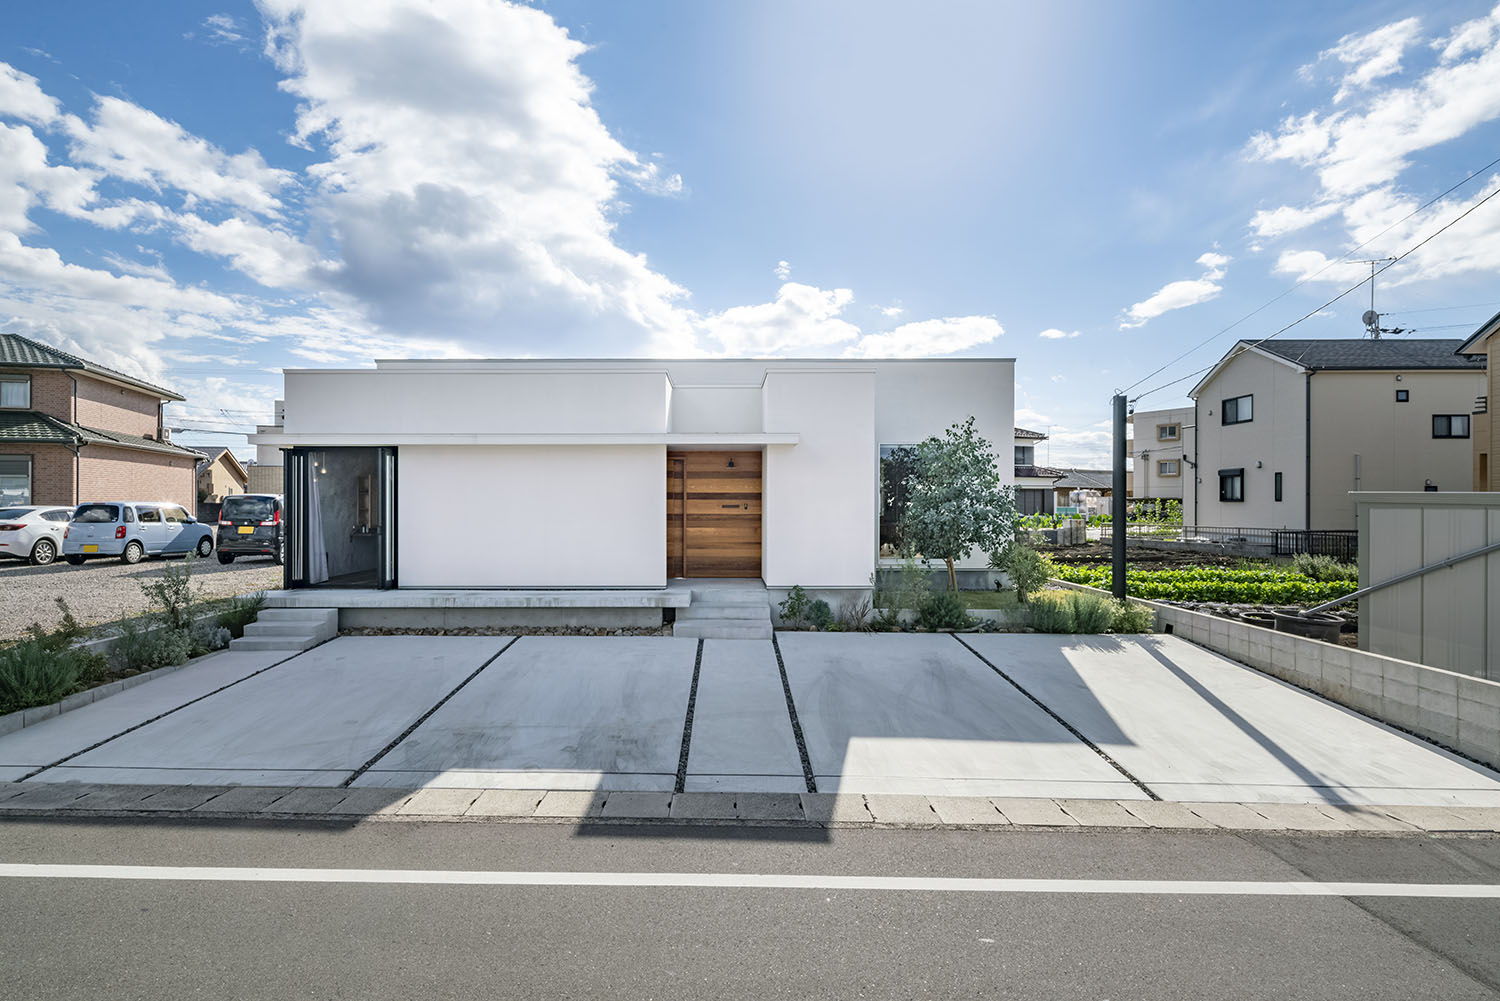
x: 721, y: 507
x: 674, y: 518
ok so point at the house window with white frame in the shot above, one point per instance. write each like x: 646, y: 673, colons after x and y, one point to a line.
x: 1237, y: 410
x: 1167, y: 432
x: 15, y: 480
x: 1168, y: 467
x: 15, y: 392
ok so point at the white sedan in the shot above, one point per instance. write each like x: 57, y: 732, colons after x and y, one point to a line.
x: 33, y: 533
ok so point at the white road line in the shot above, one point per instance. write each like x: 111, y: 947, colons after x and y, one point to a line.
x: 749, y: 881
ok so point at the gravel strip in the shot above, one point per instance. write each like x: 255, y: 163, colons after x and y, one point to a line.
x: 103, y: 591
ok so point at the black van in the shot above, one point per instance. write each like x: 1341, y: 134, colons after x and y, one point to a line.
x: 250, y: 525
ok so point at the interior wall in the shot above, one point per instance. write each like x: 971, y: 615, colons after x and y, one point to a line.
x: 337, y: 472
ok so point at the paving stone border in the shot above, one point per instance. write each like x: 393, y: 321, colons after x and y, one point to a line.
x: 798, y: 810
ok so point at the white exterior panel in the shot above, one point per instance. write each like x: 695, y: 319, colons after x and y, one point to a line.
x: 532, y: 516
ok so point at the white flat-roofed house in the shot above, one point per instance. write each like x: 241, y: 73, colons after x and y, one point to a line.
x: 610, y: 473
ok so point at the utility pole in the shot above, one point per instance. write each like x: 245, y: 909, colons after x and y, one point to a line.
x: 1117, y: 507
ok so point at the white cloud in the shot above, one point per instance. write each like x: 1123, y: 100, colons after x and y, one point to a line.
x: 22, y: 97
x: 27, y: 179
x: 801, y: 318
x: 783, y: 270
x: 1180, y: 294
x: 928, y: 337
x: 1373, y: 55
x: 1288, y: 219
x: 1059, y: 378
x: 891, y: 312
x: 1054, y: 334
x: 224, y: 29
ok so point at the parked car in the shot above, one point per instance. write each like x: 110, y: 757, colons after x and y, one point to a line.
x: 250, y: 525
x: 133, y: 530
x: 33, y: 533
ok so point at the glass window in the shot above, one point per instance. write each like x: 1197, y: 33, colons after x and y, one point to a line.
x: 1403, y: 395
x: 1025, y: 455
x: 1278, y: 486
x: 15, y: 479
x: 174, y: 515
x: 9, y: 513
x: 1167, y: 467
x: 1232, y: 485
x: 15, y: 391
x: 897, y: 462
x: 62, y: 514
x: 246, y: 507
x: 1450, y: 425
x: 93, y: 514
x: 1166, y: 432
x: 149, y: 515
x: 1238, y: 410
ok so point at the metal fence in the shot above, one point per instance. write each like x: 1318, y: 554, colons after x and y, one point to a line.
x: 1338, y: 543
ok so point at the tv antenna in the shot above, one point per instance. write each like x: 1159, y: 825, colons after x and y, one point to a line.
x: 1371, y: 319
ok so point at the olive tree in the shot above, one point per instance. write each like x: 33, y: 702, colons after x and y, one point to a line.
x: 955, y: 502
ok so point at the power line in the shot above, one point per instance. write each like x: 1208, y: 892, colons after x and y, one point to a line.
x: 1338, y: 260
x: 1394, y: 261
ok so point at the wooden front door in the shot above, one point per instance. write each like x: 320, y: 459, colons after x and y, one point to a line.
x: 713, y: 514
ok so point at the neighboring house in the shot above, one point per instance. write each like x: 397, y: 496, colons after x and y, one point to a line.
x: 1158, y: 451
x: 1089, y: 490
x: 219, y: 475
x: 614, y: 473
x: 72, y: 430
x: 1286, y: 430
x: 1033, y: 482
x: 1485, y: 419
x: 266, y: 470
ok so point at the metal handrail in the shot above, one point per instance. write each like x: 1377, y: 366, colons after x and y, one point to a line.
x: 1402, y: 578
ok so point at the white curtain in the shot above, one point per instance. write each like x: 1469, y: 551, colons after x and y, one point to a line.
x: 317, y: 551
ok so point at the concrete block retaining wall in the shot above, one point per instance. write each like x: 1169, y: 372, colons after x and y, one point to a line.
x: 1455, y: 710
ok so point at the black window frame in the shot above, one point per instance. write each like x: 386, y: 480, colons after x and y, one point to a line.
x: 18, y: 377
x: 1403, y: 396
x: 1447, y: 425
x: 1227, y: 477
x: 1278, y: 488
x: 1234, y: 402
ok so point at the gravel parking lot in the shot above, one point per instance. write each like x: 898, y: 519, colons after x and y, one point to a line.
x: 107, y: 590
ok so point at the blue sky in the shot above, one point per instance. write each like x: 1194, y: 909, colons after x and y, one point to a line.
x: 205, y: 194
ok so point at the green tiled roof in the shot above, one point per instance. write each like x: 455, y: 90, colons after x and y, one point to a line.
x: 23, y: 352
x: 30, y: 426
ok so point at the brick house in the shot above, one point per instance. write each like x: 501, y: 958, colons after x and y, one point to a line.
x: 72, y: 431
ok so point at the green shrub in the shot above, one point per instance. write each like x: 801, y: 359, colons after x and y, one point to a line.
x: 796, y: 605
x: 819, y: 615
x: 1081, y: 612
x: 943, y: 610
x: 143, y: 649
x: 205, y: 637
x: 31, y: 676
x: 1091, y: 612
x: 1132, y: 618
x: 1324, y: 568
x: 1027, y: 568
x: 1052, y: 612
x: 68, y: 632
x: 173, y: 595
x: 854, y: 616
x: 1242, y: 585
x: 240, y: 611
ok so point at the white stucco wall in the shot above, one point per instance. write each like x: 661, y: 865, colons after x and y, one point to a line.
x: 818, y: 522
x: 442, y: 399
x: 532, y: 516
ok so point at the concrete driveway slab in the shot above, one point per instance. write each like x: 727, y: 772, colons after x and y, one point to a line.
x: 310, y: 722
x: 1195, y: 726
x: 30, y: 748
x: 919, y: 714
x: 557, y: 712
x: 742, y: 731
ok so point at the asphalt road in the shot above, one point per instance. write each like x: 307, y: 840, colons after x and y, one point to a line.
x: 75, y: 938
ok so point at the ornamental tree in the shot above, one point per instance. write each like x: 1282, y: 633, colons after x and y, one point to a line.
x: 955, y: 502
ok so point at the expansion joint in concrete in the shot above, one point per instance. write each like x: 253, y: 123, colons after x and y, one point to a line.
x: 791, y: 709
x: 687, y: 723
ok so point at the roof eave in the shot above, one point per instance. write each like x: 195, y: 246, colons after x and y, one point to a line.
x: 1485, y: 331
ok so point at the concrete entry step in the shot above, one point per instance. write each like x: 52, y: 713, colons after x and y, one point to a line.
x: 723, y: 629
x: 735, y: 611
x: 289, y: 629
x: 726, y: 610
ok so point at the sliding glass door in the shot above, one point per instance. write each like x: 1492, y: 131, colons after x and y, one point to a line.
x: 341, y: 517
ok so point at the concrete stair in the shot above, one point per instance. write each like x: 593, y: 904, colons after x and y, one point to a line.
x: 739, y: 611
x: 289, y: 629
